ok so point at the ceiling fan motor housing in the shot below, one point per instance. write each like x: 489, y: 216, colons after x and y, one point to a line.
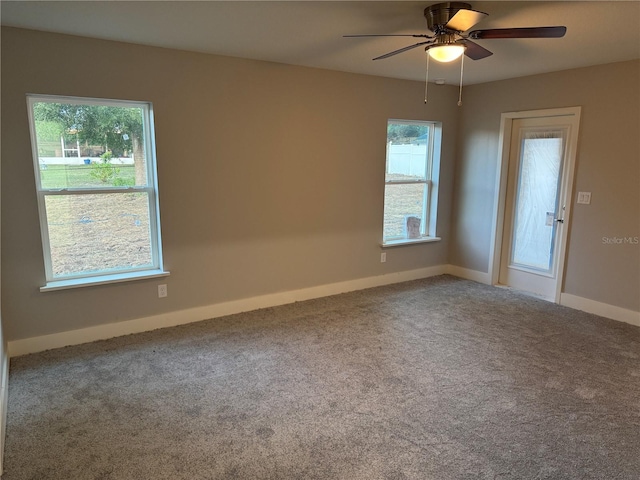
x: 439, y: 14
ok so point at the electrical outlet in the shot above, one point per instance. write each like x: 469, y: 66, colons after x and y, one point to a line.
x: 162, y: 291
x: 383, y: 257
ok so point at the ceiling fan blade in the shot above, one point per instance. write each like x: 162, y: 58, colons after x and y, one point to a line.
x: 527, y: 32
x: 475, y: 51
x: 464, y: 19
x: 395, y: 52
x: 389, y: 35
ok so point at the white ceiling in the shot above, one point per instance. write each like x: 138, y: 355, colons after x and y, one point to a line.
x: 311, y: 33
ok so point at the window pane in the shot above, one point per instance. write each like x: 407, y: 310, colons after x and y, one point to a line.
x: 89, y: 145
x: 400, y: 203
x: 536, y: 201
x: 98, y: 233
x: 407, y: 146
x: 406, y: 162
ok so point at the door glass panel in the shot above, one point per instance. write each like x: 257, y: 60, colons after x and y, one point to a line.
x: 536, y: 203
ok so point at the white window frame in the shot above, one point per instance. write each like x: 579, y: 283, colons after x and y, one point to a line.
x: 150, y: 189
x: 431, y: 180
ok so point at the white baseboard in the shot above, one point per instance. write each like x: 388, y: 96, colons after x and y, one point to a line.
x: 468, y: 274
x: 566, y: 299
x: 171, y: 319
x: 599, y: 308
x: 101, y: 332
x: 4, y: 401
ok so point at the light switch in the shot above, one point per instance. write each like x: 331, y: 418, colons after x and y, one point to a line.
x: 584, y: 197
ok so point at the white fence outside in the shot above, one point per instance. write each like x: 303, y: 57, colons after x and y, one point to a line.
x: 81, y: 160
x: 408, y: 159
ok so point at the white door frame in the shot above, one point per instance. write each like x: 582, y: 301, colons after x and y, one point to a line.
x: 506, y: 122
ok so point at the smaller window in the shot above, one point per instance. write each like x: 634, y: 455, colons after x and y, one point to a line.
x: 411, y: 181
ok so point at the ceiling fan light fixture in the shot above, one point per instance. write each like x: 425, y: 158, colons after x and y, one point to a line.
x: 446, y: 53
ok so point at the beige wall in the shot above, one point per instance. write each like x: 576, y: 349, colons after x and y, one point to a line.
x: 608, y: 165
x: 271, y: 176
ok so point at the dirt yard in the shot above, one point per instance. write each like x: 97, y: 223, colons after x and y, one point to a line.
x: 402, y: 200
x: 91, y: 233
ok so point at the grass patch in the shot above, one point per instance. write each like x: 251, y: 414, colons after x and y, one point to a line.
x: 79, y: 176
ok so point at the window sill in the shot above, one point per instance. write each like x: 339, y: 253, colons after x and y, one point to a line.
x: 407, y: 241
x: 102, y: 280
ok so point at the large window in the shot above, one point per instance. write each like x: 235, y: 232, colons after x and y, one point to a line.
x: 97, y: 190
x: 411, y: 181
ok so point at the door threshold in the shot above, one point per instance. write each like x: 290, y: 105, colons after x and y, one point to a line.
x: 528, y: 294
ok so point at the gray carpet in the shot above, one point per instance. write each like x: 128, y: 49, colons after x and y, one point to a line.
x: 434, y: 379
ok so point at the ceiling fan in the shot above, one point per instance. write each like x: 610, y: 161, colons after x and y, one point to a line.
x: 449, y: 20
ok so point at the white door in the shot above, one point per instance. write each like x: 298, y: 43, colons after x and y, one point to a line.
x: 539, y: 178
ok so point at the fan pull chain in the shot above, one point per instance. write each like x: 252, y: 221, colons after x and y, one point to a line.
x: 461, y: 72
x: 426, y: 77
